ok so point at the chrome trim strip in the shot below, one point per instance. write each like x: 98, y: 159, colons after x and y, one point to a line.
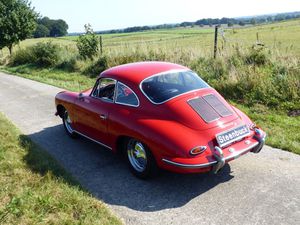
x: 203, y: 165
x: 92, y: 139
x: 119, y: 103
x: 166, y: 72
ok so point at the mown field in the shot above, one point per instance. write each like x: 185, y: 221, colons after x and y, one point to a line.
x: 257, y: 67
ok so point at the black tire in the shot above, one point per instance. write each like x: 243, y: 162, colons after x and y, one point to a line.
x: 68, y: 125
x: 140, y: 159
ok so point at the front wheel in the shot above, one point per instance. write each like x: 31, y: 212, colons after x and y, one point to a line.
x: 140, y: 159
x: 68, y: 125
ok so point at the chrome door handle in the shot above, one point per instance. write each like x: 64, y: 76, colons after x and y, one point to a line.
x: 103, y: 117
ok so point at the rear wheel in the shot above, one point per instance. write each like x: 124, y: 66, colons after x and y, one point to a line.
x: 140, y: 159
x: 68, y: 125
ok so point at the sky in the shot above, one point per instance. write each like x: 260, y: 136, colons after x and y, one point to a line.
x: 114, y: 14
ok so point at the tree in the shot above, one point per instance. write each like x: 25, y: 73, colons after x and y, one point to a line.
x: 279, y: 17
x: 88, y: 43
x: 17, y: 22
x: 41, y: 31
x: 241, y: 23
x: 230, y: 24
x: 46, y: 22
x: 59, y: 28
x: 253, y: 21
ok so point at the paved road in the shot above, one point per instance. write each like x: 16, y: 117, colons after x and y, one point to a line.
x: 255, y: 189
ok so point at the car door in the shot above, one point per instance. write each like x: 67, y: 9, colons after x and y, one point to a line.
x: 92, y: 111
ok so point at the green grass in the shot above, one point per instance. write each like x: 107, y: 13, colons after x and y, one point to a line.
x: 282, y: 130
x: 35, y: 189
x: 55, y: 77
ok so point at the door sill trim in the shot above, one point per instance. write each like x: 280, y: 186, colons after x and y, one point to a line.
x: 98, y: 142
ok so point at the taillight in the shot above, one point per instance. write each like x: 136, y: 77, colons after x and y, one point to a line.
x: 198, y: 150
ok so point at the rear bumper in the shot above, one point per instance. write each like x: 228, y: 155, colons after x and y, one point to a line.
x: 220, y: 160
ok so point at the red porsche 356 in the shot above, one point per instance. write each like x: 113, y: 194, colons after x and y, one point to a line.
x: 161, y: 115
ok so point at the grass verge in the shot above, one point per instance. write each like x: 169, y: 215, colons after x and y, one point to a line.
x: 282, y: 130
x: 59, y: 78
x: 35, y: 189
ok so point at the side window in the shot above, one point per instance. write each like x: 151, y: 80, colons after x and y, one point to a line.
x: 126, y: 96
x: 105, y: 89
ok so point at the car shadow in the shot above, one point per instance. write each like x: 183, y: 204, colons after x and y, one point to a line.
x: 107, y: 177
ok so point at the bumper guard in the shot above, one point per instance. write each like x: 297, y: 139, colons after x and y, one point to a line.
x: 219, y: 156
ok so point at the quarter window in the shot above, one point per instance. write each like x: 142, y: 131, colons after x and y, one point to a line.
x: 105, y: 89
x: 126, y: 96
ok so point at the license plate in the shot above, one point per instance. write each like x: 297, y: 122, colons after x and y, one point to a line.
x: 232, y: 135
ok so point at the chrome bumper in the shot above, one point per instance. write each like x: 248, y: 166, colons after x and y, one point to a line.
x: 261, y: 138
x: 220, y: 159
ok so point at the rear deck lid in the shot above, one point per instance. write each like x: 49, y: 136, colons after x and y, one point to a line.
x: 210, y: 107
x: 203, y: 109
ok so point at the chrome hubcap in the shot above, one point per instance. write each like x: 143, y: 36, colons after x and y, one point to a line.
x: 68, y: 123
x: 137, y: 155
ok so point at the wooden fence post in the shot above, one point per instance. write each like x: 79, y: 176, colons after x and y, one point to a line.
x: 101, y: 45
x: 216, y: 41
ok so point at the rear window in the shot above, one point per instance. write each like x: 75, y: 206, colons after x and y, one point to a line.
x: 160, y: 88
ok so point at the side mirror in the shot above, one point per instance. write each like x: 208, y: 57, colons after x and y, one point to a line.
x: 81, y: 96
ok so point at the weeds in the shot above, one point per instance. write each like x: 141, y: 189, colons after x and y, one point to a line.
x: 97, y: 67
x: 42, y: 55
x: 249, y: 75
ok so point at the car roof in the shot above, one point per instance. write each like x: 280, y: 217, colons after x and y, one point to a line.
x: 136, y: 72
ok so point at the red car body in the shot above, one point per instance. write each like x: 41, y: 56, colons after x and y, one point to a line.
x: 186, y: 133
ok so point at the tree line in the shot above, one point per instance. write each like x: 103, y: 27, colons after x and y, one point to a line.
x: 212, y: 22
x: 47, y: 27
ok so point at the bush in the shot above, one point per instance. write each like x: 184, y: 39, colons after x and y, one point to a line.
x: 46, y: 54
x: 22, y: 56
x: 257, y: 56
x: 4, y: 60
x: 42, y: 54
x: 95, y: 68
x: 210, y: 69
x: 69, y: 59
x: 69, y: 65
x: 87, y: 44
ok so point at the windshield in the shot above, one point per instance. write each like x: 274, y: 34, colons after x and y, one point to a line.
x: 160, y: 88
